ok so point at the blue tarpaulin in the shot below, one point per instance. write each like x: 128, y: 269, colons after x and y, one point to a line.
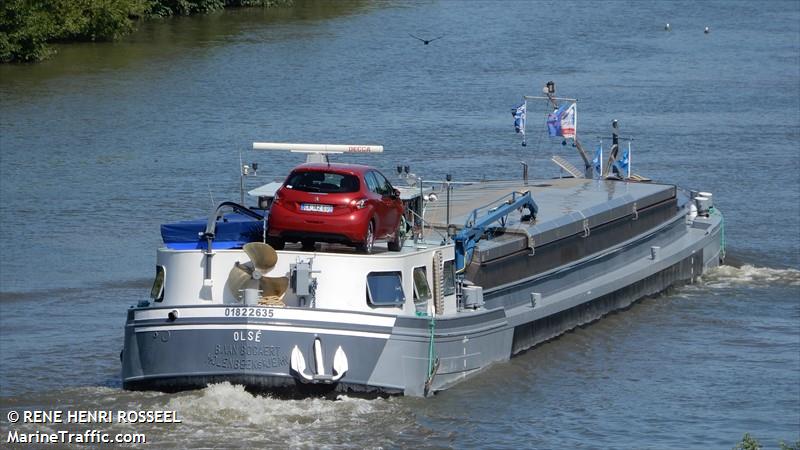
x: 233, y: 231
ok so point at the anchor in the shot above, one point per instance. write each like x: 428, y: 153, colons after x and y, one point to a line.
x: 300, y: 370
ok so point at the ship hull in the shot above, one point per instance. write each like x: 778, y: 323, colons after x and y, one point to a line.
x: 408, y: 355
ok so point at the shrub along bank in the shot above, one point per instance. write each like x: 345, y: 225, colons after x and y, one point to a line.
x: 28, y: 26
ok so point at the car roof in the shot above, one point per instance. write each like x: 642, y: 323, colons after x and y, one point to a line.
x: 351, y: 169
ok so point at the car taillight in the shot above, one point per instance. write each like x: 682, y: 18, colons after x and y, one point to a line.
x: 359, y: 204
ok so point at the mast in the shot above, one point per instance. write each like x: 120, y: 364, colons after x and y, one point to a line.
x: 613, y: 155
x: 550, y: 91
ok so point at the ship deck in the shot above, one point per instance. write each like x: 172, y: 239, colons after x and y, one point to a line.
x: 567, y: 207
x: 555, y: 198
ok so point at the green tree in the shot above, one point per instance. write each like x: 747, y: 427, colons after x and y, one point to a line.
x: 748, y: 443
x: 96, y: 20
x: 26, y: 26
x: 790, y: 446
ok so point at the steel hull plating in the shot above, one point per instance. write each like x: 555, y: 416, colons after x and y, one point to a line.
x: 186, y: 357
x: 393, y: 353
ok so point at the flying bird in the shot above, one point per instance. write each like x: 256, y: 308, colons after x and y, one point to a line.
x: 425, y: 41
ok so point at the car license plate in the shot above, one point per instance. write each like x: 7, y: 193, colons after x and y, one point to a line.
x: 313, y: 207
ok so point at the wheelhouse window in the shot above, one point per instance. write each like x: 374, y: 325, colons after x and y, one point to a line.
x: 157, y: 291
x: 422, y: 290
x: 385, y: 289
x: 325, y: 182
x: 449, y: 278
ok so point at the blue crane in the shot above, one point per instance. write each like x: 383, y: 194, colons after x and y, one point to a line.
x: 475, y: 227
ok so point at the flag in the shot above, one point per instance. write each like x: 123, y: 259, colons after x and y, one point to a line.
x: 598, y: 161
x: 520, y: 116
x: 624, y: 164
x: 569, y: 121
x: 563, y: 121
x: 554, y: 122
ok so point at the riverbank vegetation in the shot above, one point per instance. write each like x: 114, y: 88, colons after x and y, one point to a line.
x: 750, y: 443
x: 28, y: 27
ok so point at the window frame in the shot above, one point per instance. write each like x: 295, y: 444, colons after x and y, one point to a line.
x: 418, y: 299
x: 372, y: 182
x: 162, y: 271
x: 384, y: 187
x: 324, y: 185
x: 396, y: 303
x: 449, y: 285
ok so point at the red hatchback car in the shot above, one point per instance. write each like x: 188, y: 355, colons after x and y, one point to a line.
x: 345, y: 203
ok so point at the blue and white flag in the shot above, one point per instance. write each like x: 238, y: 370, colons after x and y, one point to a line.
x: 520, y: 114
x: 569, y: 121
x: 554, y: 121
x: 598, y: 161
x: 624, y: 163
x: 563, y: 121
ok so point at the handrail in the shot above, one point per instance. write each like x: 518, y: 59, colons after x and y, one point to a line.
x: 211, y: 228
x: 473, y: 216
x: 425, y: 222
x: 211, y: 224
x: 468, y: 237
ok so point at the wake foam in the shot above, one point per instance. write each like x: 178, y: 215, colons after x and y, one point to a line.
x: 224, y: 402
x: 724, y: 276
x: 222, y: 407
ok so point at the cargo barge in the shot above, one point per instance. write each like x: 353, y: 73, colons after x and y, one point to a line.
x: 485, y: 270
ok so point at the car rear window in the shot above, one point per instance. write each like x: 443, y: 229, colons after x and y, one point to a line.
x: 328, y: 182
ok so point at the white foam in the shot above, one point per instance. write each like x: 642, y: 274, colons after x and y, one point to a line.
x: 222, y: 407
x: 724, y: 276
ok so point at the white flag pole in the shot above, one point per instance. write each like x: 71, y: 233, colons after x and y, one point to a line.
x: 629, y: 159
x: 525, y: 122
x: 575, y: 138
x: 600, y: 175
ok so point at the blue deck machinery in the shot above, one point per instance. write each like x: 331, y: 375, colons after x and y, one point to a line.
x: 478, y: 223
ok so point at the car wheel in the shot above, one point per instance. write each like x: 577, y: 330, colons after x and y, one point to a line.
x: 369, y: 239
x: 307, y: 244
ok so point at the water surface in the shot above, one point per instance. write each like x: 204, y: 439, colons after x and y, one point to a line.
x: 104, y: 142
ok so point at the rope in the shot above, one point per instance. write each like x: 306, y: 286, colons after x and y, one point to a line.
x: 433, y: 362
x: 272, y: 300
x: 432, y: 326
